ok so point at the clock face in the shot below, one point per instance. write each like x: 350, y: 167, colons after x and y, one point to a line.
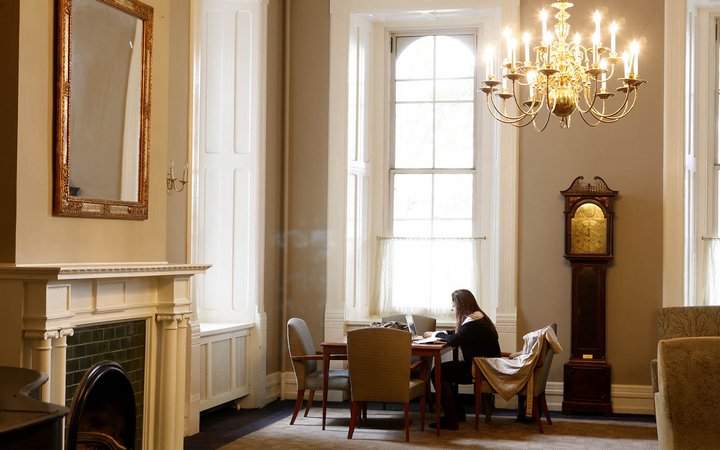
x: 588, y: 233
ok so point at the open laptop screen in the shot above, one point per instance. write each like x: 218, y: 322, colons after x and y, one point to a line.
x: 411, y: 324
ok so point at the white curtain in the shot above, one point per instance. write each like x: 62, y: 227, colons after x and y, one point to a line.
x: 417, y: 275
x: 712, y: 288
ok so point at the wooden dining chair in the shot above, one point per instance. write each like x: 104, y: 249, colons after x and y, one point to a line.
x: 379, y: 363
x: 484, y: 391
x: 305, y: 359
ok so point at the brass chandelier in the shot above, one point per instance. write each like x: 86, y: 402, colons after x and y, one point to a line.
x: 564, y: 77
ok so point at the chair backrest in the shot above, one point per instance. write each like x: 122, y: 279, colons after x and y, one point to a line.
x: 688, y: 321
x: 422, y: 323
x: 378, y: 359
x: 300, y: 342
x: 689, y: 392
x: 541, y: 375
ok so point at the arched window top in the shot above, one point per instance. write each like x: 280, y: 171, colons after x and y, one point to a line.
x: 438, y: 56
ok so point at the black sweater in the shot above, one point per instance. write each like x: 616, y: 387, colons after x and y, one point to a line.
x: 476, y: 338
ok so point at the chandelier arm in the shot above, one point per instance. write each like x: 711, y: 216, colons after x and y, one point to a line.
x: 547, y: 121
x: 505, y: 118
x: 499, y: 116
x: 530, y: 110
x: 619, y: 113
x: 624, y: 109
x: 598, y: 122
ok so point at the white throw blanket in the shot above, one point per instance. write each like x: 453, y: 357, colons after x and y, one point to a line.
x: 508, y: 376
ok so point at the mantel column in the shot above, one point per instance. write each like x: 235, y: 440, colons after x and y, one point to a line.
x: 59, y: 364
x: 172, y: 381
x: 41, y: 356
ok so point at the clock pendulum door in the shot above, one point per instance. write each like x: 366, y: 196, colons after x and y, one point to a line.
x: 588, y: 248
x: 586, y: 377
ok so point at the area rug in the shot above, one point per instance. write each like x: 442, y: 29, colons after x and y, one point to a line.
x: 385, y: 429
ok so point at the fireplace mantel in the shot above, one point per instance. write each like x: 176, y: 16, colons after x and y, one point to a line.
x: 43, y: 304
x: 90, y: 271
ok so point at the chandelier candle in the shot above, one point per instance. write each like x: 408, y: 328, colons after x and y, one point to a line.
x: 560, y: 77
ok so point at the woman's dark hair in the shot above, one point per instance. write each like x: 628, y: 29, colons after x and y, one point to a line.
x: 465, y: 304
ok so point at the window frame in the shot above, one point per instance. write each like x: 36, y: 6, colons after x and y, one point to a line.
x: 391, y: 170
x: 500, y: 170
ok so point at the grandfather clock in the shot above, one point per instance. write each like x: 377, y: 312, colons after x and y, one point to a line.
x: 589, y: 248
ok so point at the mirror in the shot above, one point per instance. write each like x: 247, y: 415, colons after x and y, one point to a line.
x: 102, y: 109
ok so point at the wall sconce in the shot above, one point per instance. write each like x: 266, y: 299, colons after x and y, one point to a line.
x: 174, y: 184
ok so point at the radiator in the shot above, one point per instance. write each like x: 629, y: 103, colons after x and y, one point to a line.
x: 221, y: 354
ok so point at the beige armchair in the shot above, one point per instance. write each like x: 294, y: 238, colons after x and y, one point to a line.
x: 305, y: 359
x: 687, y: 403
x: 684, y: 321
x: 378, y: 359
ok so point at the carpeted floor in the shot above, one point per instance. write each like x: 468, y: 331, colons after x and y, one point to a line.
x: 270, y: 429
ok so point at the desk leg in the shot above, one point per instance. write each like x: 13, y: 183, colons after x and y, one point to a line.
x: 326, y: 371
x: 438, y: 389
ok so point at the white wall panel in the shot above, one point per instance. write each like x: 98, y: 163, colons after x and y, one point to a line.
x: 227, y: 151
x: 242, y: 250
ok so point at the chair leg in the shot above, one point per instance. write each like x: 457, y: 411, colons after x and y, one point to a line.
x: 298, y: 403
x: 536, y: 414
x: 477, y: 402
x: 543, y: 403
x: 423, y: 403
x: 364, y: 410
x: 407, y: 422
x: 522, y: 403
x: 487, y: 406
x: 354, y: 413
x: 311, y: 394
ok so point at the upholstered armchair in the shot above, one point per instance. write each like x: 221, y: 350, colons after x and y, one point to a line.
x: 305, y: 359
x: 688, y: 397
x: 684, y: 321
x: 379, y: 363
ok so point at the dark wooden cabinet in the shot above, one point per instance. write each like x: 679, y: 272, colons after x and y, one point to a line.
x: 589, y: 249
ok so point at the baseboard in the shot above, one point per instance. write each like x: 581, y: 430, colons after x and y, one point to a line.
x: 273, y: 387
x: 626, y: 398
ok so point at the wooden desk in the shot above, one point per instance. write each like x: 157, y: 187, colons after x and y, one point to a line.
x: 434, y: 351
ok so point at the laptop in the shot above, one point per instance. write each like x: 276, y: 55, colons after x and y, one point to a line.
x: 411, y: 325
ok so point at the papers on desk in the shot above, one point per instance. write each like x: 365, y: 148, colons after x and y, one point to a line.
x: 428, y: 340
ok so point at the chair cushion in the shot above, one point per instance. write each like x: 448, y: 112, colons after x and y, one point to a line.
x: 417, y: 388
x: 338, y: 379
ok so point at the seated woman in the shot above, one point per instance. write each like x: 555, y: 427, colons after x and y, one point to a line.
x: 476, y: 336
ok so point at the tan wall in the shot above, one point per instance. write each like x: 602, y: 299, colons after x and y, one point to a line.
x: 308, y: 74
x: 179, y: 134
x: 628, y: 155
x: 41, y: 237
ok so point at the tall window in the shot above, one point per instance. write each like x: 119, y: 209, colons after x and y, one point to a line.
x: 712, y: 238
x: 431, y: 245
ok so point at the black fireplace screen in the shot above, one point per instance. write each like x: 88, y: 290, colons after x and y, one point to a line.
x: 102, y: 415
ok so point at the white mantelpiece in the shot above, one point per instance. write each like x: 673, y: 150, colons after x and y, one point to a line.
x: 41, y: 305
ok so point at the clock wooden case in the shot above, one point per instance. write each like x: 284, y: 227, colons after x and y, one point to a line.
x: 589, y: 248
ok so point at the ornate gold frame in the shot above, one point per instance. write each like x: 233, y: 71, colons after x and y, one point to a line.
x: 64, y: 203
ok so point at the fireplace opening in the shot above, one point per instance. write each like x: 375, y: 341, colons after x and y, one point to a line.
x: 102, y: 416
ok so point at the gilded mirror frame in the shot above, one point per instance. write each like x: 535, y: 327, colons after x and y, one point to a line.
x: 64, y: 202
